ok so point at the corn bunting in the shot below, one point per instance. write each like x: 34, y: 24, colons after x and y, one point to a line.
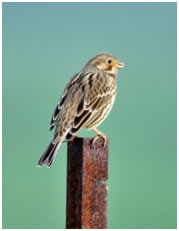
x: 86, y: 101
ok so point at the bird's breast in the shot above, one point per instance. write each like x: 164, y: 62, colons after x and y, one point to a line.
x: 110, y: 86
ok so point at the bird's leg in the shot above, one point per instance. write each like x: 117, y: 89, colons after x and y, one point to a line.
x: 99, y: 134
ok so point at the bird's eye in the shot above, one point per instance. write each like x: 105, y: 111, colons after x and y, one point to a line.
x: 109, y: 61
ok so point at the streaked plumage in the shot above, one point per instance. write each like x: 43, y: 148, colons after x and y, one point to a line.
x: 86, y: 101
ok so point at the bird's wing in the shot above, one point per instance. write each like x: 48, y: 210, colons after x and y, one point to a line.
x: 60, y: 104
x: 93, y: 99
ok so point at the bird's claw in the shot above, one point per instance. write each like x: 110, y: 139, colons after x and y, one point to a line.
x: 98, y: 137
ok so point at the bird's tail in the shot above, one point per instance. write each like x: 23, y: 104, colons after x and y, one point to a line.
x: 49, y: 154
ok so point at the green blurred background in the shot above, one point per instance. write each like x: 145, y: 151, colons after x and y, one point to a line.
x: 44, y: 44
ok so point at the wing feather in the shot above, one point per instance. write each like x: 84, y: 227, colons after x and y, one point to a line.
x: 90, y: 105
x: 57, y: 110
x: 90, y: 88
x: 85, y: 119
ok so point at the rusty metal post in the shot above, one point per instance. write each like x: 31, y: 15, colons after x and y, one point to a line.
x: 87, y: 168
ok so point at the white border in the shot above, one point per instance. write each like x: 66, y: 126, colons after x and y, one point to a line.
x: 1, y: 113
x: 92, y: 1
x: 1, y: 89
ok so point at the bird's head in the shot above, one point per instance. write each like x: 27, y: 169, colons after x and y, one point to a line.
x: 106, y: 63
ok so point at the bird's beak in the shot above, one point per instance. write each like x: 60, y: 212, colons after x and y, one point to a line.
x: 119, y: 65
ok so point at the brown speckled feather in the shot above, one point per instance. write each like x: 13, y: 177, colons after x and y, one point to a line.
x: 94, y: 102
x: 86, y: 101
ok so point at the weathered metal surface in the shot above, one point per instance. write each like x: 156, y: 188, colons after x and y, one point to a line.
x: 87, y: 168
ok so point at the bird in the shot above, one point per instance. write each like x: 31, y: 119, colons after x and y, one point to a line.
x: 86, y: 101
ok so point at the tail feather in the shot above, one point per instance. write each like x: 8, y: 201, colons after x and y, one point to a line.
x: 49, y: 154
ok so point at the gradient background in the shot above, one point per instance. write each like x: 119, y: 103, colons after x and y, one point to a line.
x: 44, y: 44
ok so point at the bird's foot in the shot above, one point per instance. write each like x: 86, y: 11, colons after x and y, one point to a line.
x: 99, y: 135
